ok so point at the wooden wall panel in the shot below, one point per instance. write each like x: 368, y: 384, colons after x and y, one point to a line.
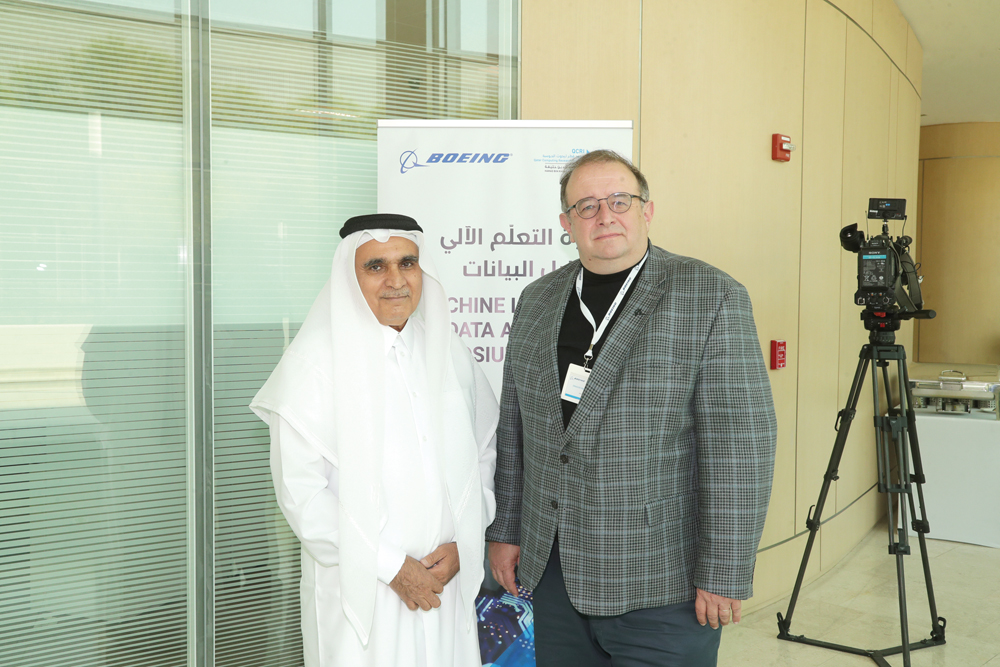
x: 907, y: 165
x: 890, y: 154
x: 907, y: 151
x: 960, y: 140
x: 709, y: 107
x: 819, y: 287
x: 580, y: 61
x: 961, y: 235
x: 914, y: 60
x: 845, y: 531
x: 860, y: 11
x: 889, y: 29
x: 960, y: 217
x: 867, y: 100
x: 775, y: 574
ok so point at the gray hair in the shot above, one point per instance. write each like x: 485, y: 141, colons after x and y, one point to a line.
x: 601, y: 156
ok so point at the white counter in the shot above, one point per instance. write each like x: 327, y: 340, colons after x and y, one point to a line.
x: 961, y: 460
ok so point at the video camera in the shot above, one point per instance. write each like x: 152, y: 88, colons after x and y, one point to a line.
x: 886, y: 273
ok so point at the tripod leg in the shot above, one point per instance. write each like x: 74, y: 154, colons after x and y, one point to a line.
x: 889, y: 431
x: 843, y: 427
x: 921, y: 525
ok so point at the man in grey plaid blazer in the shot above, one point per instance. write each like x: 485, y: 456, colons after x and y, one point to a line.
x: 636, y: 440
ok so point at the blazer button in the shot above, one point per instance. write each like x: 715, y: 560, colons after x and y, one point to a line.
x: 563, y: 459
x: 555, y: 505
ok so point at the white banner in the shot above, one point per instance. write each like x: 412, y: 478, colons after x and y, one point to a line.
x: 487, y: 196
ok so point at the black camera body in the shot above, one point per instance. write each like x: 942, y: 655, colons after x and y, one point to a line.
x: 879, y: 266
x: 886, y: 273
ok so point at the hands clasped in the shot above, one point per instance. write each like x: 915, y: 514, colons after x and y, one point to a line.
x: 419, y: 582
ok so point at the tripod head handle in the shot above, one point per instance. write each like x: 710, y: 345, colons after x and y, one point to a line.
x: 917, y: 315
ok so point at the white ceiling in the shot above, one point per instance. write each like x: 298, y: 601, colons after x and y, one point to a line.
x: 961, y: 40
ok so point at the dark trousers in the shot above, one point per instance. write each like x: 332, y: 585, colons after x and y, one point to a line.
x: 667, y: 636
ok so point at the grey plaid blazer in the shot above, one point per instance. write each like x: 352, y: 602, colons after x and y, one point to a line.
x: 662, y: 479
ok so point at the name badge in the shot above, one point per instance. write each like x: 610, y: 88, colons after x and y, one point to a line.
x: 576, y: 380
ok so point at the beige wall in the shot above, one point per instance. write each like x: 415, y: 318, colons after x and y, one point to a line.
x: 706, y: 84
x: 960, y: 226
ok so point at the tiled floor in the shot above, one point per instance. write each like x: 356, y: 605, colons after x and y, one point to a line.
x: 856, y: 604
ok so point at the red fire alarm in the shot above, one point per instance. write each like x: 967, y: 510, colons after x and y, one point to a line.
x: 781, y: 147
x: 777, y: 354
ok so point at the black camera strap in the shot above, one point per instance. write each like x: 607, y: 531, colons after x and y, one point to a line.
x: 907, y: 287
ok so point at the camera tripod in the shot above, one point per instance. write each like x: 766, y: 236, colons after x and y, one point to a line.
x: 891, y: 435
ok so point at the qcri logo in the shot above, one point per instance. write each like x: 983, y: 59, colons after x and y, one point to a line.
x: 408, y: 160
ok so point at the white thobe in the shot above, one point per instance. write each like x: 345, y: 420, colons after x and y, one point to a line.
x: 417, y: 519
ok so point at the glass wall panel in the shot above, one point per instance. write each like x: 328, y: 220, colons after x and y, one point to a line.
x: 293, y: 155
x: 93, y: 510
x: 266, y: 14
x: 98, y: 301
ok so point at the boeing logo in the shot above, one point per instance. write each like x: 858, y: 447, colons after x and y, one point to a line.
x: 408, y: 159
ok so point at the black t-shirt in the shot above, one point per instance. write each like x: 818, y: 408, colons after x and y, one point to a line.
x: 576, y: 333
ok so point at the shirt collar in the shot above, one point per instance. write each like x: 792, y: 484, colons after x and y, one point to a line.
x: 406, y: 336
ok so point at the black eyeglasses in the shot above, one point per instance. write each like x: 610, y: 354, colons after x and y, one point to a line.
x: 618, y: 202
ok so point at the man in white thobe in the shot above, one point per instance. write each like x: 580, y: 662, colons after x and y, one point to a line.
x: 383, y: 452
